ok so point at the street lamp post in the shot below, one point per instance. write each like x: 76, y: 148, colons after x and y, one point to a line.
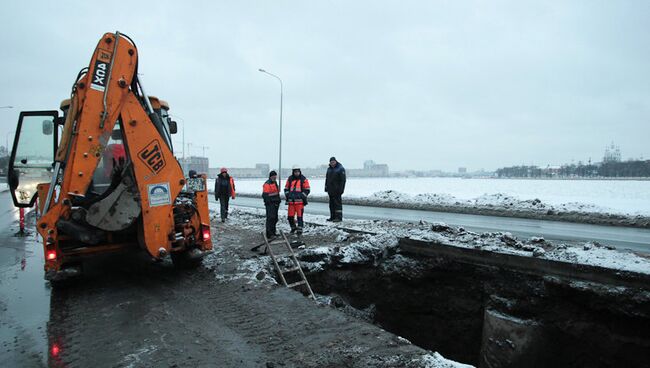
x: 280, y: 154
x: 7, y: 135
x: 7, y: 140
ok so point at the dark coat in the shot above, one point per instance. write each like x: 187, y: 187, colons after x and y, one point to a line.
x: 271, y: 193
x: 335, y: 179
x: 224, y: 186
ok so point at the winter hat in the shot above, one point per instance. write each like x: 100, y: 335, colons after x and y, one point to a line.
x: 272, y: 173
x: 224, y: 170
x: 333, y: 159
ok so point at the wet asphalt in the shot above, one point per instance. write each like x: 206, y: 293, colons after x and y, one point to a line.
x: 24, y: 295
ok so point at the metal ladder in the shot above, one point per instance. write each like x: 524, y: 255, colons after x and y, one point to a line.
x: 296, y: 265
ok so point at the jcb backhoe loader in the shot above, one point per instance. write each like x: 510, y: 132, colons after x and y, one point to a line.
x: 111, y: 182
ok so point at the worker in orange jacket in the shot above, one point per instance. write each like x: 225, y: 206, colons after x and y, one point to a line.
x: 224, y: 189
x: 272, y: 200
x: 296, y: 191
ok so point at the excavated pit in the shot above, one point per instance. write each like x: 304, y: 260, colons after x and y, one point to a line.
x: 491, y: 316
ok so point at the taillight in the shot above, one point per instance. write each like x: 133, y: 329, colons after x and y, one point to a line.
x: 55, y: 350
x: 205, y: 233
x: 50, y: 255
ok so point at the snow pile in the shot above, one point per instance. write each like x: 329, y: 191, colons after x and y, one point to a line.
x: 591, y: 253
x: 622, y: 196
x: 379, y: 239
x: 436, y: 360
x: 368, y: 249
x: 598, y: 255
x: 256, y: 270
x: 493, y: 201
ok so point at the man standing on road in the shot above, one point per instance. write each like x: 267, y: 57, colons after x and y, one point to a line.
x: 335, y: 186
x: 296, y: 191
x: 224, y: 189
x: 271, y: 196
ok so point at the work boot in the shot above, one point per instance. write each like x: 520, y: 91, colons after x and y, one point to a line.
x: 337, y: 220
x: 329, y: 219
x: 292, y: 223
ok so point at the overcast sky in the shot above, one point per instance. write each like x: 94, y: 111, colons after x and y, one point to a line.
x: 419, y: 85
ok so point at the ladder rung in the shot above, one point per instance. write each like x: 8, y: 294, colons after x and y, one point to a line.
x: 297, y: 284
x: 274, y: 242
x: 291, y: 270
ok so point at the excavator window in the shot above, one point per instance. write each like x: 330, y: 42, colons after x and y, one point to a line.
x: 164, y: 116
x: 32, y: 155
x: 114, y: 154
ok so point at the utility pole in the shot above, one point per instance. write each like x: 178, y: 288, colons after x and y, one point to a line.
x: 203, y: 148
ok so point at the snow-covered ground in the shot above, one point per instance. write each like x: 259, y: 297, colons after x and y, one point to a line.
x: 387, y: 233
x: 614, y: 196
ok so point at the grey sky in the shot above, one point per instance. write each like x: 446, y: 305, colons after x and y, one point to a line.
x: 414, y: 84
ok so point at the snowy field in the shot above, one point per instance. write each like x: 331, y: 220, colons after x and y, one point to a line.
x: 620, y: 196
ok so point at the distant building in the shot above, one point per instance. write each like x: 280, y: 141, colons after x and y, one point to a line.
x: 370, y: 169
x: 196, y: 163
x: 612, y: 153
x: 259, y: 171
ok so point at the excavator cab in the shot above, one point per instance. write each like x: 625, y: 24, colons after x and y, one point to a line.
x: 32, y: 156
x: 104, y: 173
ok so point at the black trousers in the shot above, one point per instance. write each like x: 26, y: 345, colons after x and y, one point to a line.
x: 336, y: 206
x: 271, y: 218
x: 224, y: 199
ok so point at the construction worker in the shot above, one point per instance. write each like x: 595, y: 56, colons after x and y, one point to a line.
x: 271, y: 196
x: 224, y: 189
x: 335, y: 186
x: 296, y: 191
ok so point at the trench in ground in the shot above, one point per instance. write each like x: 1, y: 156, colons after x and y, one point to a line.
x: 495, y: 317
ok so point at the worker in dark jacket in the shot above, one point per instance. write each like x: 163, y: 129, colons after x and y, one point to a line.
x: 224, y: 189
x: 296, y: 191
x: 335, y: 186
x: 271, y: 196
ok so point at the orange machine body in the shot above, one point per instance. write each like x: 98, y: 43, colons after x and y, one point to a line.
x: 105, y: 96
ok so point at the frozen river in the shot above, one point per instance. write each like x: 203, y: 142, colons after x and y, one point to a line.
x: 627, y: 196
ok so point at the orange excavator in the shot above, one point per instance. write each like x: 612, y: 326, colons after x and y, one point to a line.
x: 104, y: 174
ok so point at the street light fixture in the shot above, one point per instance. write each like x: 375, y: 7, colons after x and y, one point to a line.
x: 280, y: 155
x: 6, y: 107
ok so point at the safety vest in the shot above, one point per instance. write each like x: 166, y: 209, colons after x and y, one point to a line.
x: 271, y: 192
x: 297, y: 189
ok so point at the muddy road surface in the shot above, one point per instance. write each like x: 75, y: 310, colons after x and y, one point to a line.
x: 128, y: 311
